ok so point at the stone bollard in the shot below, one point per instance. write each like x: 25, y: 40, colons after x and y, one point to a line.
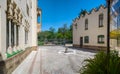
x: 10, y: 50
x: 66, y: 49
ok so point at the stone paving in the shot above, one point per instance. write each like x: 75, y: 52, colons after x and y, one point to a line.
x: 48, y: 60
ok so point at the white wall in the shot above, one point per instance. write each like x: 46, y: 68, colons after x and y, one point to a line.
x: 0, y: 29
x: 93, y: 28
x: 34, y: 23
x: 3, y: 28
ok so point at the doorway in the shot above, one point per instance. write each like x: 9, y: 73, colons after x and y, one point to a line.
x: 81, y: 41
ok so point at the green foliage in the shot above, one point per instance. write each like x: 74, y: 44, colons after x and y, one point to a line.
x: 63, y: 32
x: 59, y: 36
x: 40, y: 43
x: 98, y: 65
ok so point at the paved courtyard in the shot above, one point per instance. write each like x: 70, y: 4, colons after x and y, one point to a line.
x: 51, y: 60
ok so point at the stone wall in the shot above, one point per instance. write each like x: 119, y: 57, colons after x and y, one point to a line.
x: 98, y: 48
x: 9, y: 65
x: 76, y: 45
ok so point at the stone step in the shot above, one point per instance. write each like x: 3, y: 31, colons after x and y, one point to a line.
x: 24, y: 67
x: 35, y: 68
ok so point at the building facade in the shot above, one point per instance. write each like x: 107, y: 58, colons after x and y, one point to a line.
x: 18, y: 25
x: 90, y: 29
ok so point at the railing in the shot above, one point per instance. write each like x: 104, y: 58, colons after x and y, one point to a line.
x: 55, y: 42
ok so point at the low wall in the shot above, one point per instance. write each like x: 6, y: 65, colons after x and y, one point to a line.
x: 98, y: 48
x: 75, y: 45
x: 9, y: 65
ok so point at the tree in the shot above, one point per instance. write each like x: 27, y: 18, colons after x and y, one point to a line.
x: 63, y: 32
x: 51, y: 29
x: 52, y: 33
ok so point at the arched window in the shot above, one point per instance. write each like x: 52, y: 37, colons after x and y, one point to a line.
x: 101, y: 20
x: 12, y: 33
x: 26, y: 37
x: 7, y: 33
x: 86, y: 24
x: 17, y: 35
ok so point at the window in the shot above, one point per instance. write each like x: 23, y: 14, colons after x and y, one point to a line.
x: 119, y: 10
x: 7, y: 33
x: 86, y: 24
x: 118, y: 21
x: 17, y: 35
x: 101, y: 20
x: 12, y: 34
x: 27, y: 10
x: 100, y: 38
x: 26, y: 37
x: 86, y: 39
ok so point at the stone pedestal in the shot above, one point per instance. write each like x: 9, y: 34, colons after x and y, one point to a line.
x: 15, y: 48
x: 9, y: 50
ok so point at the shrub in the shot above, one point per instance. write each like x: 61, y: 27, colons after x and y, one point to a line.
x: 40, y: 43
x: 98, y: 65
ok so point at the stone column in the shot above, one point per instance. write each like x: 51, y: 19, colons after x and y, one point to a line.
x: 14, y: 49
x: 9, y: 32
x: 9, y: 48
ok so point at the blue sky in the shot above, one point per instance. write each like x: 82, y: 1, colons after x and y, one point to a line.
x: 55, y: 13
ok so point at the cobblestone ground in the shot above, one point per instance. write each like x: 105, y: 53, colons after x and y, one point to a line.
x: 48, y: 60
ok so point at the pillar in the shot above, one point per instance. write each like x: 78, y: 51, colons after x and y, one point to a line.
x: 15, y: 37
x: 10, y: 33
x: 9, y: 48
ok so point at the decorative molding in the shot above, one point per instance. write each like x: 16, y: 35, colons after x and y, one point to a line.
x: 15, y: 12
x: 21, y: 16
x: 9, y: 9
x: 39, y: 11
x: 18, y: 17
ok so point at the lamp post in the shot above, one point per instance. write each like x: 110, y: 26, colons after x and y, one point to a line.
x: 108, y: 35
x: 108, y: 26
